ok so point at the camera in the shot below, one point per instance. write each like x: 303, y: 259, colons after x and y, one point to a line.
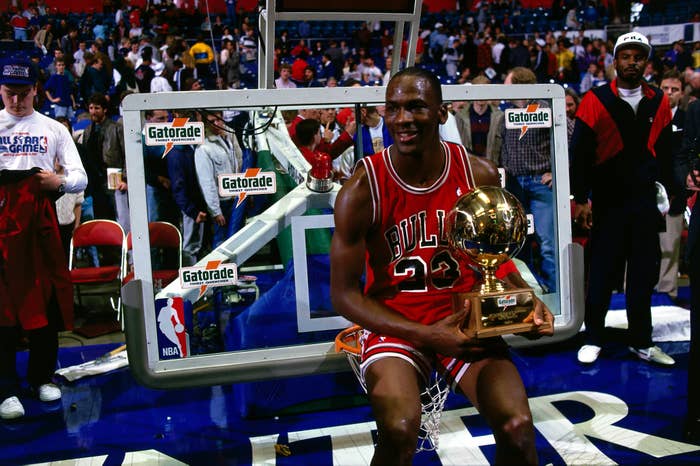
x: 695, y: 166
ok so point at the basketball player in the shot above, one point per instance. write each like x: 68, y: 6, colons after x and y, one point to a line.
x: 392, y: 213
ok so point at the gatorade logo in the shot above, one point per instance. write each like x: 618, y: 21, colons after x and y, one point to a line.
x: 252, y: 182
x: 178, y: 131
x: 507, y: 300
x: 213, y: 274
x: 531, y: 116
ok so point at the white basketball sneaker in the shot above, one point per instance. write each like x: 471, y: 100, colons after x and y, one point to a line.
x: 49, y: 392
x: 588, y: 354
x: 11, y: 408
x: 653, y: 354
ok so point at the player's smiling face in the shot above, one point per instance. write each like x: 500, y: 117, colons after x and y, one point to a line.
x: 413, y: 110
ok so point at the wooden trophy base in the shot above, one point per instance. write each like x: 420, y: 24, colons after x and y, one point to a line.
x: 499, y: 312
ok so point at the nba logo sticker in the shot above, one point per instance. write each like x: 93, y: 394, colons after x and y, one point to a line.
x: 173, y: 341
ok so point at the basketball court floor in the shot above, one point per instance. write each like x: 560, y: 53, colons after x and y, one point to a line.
x: 617, y: 411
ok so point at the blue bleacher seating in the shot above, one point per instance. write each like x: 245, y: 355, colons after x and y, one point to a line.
x: 81, y: 124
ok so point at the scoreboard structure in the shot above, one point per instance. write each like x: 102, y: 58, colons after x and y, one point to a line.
x: 405, y: 14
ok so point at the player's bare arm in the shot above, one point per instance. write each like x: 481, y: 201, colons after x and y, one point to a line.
x: 485, y: 171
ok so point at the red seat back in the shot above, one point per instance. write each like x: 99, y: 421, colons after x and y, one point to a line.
x: 98, y: 233
x: 164, y: 235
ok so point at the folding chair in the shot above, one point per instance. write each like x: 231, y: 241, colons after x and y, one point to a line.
x: 101, y: 234
x: 166, y: 250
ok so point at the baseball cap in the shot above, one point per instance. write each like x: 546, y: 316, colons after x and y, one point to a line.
x: 18, y: 72
x: 632, y: 39
x: 158, y: 68
x: 344, y: 116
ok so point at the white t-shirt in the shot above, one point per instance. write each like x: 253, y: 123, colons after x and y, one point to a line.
x: 160, y: 84
x: 373, y: 73
x: 39, y: 141
x: 65, y: 207
x: 449, y: 131
x: 279, y: 84
x: 496, y: 51
x: 377, y: 135
x: 631, y: 96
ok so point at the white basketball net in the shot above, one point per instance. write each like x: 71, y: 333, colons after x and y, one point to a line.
x: 432, y: 398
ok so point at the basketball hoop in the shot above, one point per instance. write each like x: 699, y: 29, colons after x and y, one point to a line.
x: 432, y: 398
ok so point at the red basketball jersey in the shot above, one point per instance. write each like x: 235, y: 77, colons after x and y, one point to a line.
x: 410, y: 267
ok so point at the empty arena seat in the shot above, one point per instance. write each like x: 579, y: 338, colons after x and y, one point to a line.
x: 105, y: 278
x: 166, y: 252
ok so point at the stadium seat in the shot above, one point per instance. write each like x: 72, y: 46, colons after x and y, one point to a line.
x: 109, y: 239
x: 166, y: 251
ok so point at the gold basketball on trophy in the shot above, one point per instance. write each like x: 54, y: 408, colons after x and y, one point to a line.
x: 489, y: 226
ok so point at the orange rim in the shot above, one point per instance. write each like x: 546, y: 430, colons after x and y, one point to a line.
x: 348, y: 340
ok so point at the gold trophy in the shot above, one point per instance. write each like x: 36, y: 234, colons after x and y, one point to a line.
x: 489, y: 226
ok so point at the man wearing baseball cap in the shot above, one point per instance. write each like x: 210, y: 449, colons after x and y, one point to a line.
x: 632, y: 40
x: 36, y: 294
x: 620, y: 149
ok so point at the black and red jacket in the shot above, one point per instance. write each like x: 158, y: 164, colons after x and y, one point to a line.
x: 617, y: 156
x: 32, y: 261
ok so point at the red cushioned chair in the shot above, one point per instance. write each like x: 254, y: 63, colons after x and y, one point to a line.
x: 165, y: 239
x: 100, y: 234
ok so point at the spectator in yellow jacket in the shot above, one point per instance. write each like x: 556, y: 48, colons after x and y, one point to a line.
x: 203, y: 58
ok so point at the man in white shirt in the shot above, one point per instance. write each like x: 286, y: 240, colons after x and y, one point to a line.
x: 219, y: 155
x: 371, y: 72
x: 134, y: 55
x: 31, y: 145
x: 79, y: 59
x: 283, y: 82
x: 375, y: 135
x: 387, y: 73
x: 159, y: 83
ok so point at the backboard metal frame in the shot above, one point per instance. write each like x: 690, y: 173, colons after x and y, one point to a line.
x: 275, y: 362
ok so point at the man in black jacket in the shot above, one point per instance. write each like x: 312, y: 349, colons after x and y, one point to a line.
x: 686, y: 166
x: 670, y: 240
x: 620, y: 149
x: 184, y: 188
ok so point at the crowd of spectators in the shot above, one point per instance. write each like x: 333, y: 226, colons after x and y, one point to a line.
x: 111, y: 52
x: 88, y: 62
x: 127, y: 49
x: 458, y: 48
